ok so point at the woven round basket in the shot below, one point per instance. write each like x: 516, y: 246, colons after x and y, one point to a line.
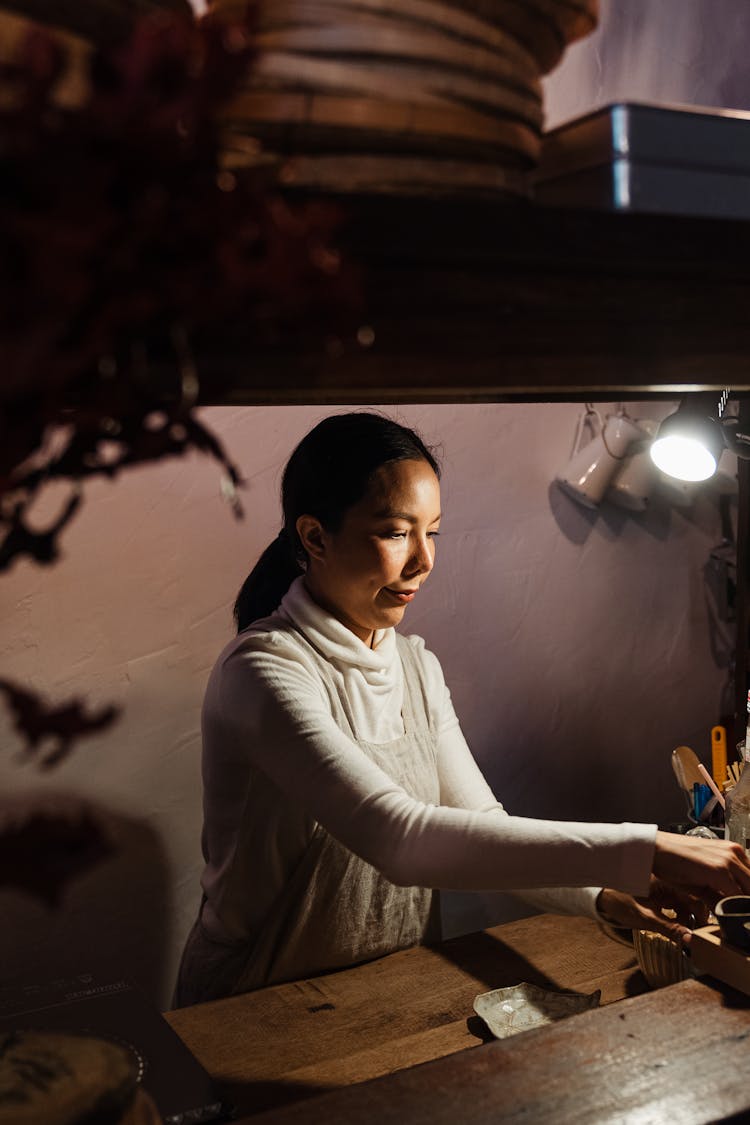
x: 346, y: 92
x: 660, y: 960
x: 59, y: 1078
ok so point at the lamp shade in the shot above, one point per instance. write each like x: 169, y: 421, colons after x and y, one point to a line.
x: 688, y: 445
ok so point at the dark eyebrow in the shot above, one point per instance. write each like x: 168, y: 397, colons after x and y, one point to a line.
x: 390, y: 514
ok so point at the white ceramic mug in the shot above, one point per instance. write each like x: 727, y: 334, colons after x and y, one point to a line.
x: 634, y: 481
x: 589, y: 471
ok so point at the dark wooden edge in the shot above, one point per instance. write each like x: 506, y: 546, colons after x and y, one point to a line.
x: 477, y: 301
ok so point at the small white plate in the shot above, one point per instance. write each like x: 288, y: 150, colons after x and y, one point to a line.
x: 507, y: 1011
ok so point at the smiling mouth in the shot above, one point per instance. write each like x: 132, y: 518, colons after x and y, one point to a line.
x: 402, y: 596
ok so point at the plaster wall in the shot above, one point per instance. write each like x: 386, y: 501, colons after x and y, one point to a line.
x: 669, y: 52
x: 580, y: 647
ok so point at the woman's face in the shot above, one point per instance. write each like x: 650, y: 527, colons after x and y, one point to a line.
x: 367, y: 572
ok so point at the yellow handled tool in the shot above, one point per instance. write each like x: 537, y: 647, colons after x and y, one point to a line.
x: 719, y: 755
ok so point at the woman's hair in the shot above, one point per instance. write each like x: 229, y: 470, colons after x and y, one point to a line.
x: 328, y: 473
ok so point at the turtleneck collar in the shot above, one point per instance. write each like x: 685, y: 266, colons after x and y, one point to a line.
x: 335, y: 641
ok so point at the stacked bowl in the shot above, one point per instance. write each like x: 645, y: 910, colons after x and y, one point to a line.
x: 431, y: 96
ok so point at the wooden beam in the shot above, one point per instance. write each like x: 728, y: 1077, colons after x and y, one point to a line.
x: 742, y: 647
x: 470, y: 302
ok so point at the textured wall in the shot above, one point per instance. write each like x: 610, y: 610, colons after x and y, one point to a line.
x: 662, y: 51
x: 577, y: 645
x: 580, y: 647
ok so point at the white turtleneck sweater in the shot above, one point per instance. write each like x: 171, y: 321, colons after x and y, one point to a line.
x: 274, y: 761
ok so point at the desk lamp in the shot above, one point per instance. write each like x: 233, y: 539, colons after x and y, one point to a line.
x: 690, y: 441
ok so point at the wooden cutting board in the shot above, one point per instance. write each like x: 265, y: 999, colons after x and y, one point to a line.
x: 725, y: 962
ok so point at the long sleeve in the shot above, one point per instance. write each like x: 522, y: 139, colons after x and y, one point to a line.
x: 265, y: 707
x: 464, y: 785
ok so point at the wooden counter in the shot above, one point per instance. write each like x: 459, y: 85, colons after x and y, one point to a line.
x: 677, y: 1055
x: 284, y: 1044
x: 345, y: 1048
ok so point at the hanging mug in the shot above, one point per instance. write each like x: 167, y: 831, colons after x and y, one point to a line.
x: 634, y: 481
x: 589, y: 471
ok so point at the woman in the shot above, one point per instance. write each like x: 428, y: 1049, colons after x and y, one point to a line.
x: 338, y: 788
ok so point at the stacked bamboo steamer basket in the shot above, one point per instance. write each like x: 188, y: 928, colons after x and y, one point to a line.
x: 425, y: 96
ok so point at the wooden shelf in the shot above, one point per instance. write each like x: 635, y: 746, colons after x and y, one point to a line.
x: 487, y: 301
x: 503, y: 302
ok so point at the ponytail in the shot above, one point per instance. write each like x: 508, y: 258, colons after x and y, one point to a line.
x: 267, y: 582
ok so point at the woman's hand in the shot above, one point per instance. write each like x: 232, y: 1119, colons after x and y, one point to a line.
x: 709, y: 869
x: 645, y: 913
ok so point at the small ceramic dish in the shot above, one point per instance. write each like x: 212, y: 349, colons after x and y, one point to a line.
x: 507, y: 1011
x: 733, y: 915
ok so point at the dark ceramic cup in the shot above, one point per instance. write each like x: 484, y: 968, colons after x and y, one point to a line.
x: 733, y: 916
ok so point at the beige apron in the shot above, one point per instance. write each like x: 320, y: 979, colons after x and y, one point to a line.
x: 335, y: 910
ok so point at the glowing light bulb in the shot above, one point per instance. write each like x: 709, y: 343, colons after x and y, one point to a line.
x: 683, y: 457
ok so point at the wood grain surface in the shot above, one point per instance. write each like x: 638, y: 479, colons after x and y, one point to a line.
x: 288, y: 1042
x: 545, y: 27
x: 428, y: 84
x: 433, y: 15
x: 675, y: 1055
x: 432, y: 78
x: 486, y: 301
x: 298, y: 121
x: 392, y: 39
x: 723, y: 961
x: 393, y: 175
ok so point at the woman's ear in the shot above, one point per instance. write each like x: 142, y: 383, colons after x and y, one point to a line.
x: 312, y: 537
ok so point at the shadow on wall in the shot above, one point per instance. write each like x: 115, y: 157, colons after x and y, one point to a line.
x: 113, y: 922
x: 463, y: 912
x: 576, y: 522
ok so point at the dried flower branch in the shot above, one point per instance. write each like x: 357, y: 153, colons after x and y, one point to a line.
x: 121, y: 236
